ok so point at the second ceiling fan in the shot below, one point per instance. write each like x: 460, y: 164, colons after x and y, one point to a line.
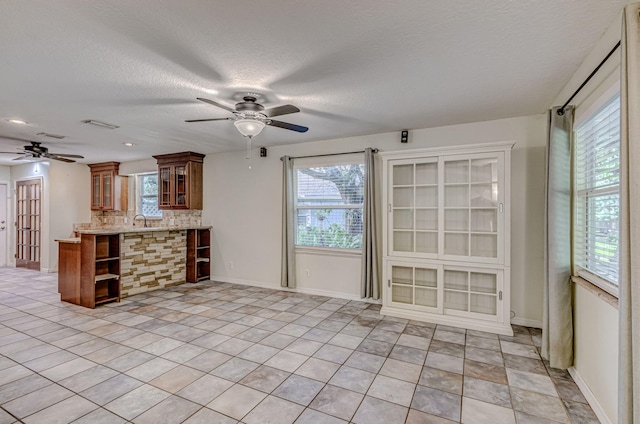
x: 250, y: 117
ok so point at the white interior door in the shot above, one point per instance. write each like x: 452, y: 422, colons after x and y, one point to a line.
x: 4, y: 239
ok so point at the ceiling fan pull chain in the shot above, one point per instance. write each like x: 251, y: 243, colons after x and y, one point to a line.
x: 249, y: 150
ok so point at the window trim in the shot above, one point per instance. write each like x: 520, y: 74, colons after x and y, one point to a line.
x: 139, y: 196
x: 592, y: 103
x: 319, y: 162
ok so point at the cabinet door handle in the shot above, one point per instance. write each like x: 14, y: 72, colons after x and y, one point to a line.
x: 389, y: 207
x: 501, y: 207
x: 388, y: 283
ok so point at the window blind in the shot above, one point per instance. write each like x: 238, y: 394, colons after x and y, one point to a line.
x: 597, y: 197
x: 329, y: 201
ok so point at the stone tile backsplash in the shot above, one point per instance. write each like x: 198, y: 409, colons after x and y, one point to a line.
x: 116, y: 220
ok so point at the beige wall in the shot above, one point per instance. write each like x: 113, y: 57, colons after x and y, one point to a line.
x: 244, y: 207
x: 69, y: 202
x: 65, y: 200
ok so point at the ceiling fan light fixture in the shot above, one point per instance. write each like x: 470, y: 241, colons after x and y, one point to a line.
x: 249, y: 127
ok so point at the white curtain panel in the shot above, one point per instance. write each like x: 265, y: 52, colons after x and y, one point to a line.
x: 557, y: 319
x: 370, y: 284
x: 629, y: 303
x: 288, y: 266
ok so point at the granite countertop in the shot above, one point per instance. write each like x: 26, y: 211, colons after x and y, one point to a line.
x: 75, y: 240
x: 133, y: 229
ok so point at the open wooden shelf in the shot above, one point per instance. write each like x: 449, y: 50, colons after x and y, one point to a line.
x: 198, y: 255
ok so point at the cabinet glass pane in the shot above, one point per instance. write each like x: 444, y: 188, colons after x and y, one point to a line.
x: 95, y: 200
x: 483, y: 283
x: 165, y: 186
x: 402, y: 294
x: 456, y: 171
x: 426, y: 277
x: 403, y: 175
x: 456, y: 300
x: 403, y: 197
x: 456, y: 244
x: 403, y: 219
x: 484, y: 245
x: 401, y: 275
x: 483, y: 304
x: 484, y: 220
x: 484, y: 195
x: 181, y: 186
x: 457, y: 280
x: 403, y: 241
x: 106, y: 190
x: 427, y: 197
x: 426, y: 297
x: 426, y: 219
x: 456, y: 196
x: 456, y: 219
x: 484, y: 170
x: 427, y: 173
x: 426, y: 242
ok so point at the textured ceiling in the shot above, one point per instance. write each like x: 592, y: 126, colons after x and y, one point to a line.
x: 353, y: 67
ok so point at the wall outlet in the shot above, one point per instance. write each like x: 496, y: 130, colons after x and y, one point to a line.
x: 230, y: 264
x: 126, y: 220
x: 307, y: 273
x: 172, y: 221
x: 104, y: 220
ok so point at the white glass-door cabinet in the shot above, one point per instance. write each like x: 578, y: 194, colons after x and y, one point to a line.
x: 446, y: 236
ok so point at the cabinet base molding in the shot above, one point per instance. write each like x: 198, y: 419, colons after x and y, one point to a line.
x: 460, y: 322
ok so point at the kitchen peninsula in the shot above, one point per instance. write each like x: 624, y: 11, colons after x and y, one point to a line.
x: 114, y: 263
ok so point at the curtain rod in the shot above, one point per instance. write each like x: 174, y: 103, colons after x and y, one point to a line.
x: 331, y: 154
x: 561, y: 110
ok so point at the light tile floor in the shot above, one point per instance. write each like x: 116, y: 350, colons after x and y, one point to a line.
x: 223, y: 353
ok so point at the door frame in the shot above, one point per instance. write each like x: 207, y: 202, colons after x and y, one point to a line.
x: 6, y: 238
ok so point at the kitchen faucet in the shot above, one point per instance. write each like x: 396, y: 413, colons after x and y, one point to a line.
x: 143, y: 217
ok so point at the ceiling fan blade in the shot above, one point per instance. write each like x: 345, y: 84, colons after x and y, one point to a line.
x: 287, y: 126
x: 64, y: 155
x: 281, y: 110
x: 220, y: 105
x: 204, y: 120
x: 11, y: 153
x: 24, y: 157
x: 60, y: 158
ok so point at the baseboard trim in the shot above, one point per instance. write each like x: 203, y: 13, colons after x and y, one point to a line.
x: 589, y: 396
x: 305, y: 290
x: 526, y: 322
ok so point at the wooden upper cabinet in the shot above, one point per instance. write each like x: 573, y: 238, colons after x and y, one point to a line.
x: 109, y: 191
x: 180, y: 179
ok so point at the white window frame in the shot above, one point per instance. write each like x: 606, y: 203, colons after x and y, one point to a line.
x: 313, y: 162
x: 601, y: 96
x: 139, y: 196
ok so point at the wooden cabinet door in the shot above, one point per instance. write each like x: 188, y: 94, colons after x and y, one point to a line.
x: 164, y: 194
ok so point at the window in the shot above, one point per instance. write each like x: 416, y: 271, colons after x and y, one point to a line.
x: 597, y: 196
x: 329, y: 203
x: 147, y: 195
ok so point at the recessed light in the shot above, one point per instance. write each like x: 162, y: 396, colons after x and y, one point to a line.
x: 18, y: 121
x: 129, y: 144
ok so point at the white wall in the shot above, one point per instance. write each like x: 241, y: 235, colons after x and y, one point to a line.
x: 244, y: 207
x: 595, y: 321
x: 596, y: 349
